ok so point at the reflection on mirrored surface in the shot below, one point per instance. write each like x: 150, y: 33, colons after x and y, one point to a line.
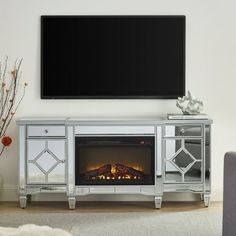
x: 46, y: 161
x: 57, y: 175
x: 207, y: 157
x: 35, y: 175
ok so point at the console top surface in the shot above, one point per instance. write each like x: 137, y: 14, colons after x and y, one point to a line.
x: 107, y: 121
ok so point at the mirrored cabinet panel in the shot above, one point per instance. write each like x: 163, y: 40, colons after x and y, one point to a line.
x: 46, y: 161
x: 183, y: 160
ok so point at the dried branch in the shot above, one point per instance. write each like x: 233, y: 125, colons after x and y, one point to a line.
x: 5, y: 69
x: 9, y: 104
x: 14, y: 112
x: 3, y: 147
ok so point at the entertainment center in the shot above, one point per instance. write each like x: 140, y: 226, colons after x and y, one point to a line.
x: 113, y: 57
x: 80, y: 157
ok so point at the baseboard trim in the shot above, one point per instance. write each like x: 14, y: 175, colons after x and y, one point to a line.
x: 8, y: 193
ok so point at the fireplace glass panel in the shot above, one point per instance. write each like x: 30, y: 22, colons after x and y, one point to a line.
x: 114, y: 160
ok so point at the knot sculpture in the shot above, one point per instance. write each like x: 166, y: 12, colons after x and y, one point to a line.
x: 189, y: 105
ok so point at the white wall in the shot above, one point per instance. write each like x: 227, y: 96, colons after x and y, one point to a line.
x: 210, y: 73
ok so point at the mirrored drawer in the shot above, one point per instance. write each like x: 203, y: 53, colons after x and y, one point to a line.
x: 46, y: 131
x: 183, y: 130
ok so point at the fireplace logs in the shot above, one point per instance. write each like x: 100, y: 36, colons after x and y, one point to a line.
x: 120, y: 171
x: 126, y: 170
x: 103, y: 170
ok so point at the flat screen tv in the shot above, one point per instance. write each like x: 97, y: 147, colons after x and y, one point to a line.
x: 112, y: 57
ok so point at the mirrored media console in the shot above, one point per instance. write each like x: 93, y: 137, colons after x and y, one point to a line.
x: 81, y: 157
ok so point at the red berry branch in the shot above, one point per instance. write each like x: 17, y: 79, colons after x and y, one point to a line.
x: 10, y: 98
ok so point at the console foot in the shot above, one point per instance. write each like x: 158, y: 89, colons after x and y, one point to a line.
x: 72, y: 202
x: 202, y: 196
x: 23, y: 201
x: 158, y: 201
x: 206, y: 200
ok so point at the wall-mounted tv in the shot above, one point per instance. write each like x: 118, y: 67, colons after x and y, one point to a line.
x: 112, y: 57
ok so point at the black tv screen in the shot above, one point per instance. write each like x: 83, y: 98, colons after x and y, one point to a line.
x: 112, y: 57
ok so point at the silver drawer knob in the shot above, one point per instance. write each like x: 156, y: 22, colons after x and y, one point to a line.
x: 45, y: 131
x: 182, y: 131
x: 63, y: 161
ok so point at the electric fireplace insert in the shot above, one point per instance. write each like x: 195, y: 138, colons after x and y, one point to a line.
x: 125, y: 160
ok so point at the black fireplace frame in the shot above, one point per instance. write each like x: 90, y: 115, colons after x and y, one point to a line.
x: 149, y: 140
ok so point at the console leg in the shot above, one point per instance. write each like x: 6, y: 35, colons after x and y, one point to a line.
x: 23, y: 201
x: 72, y: 202
x: 202, y: 196
x: 158, y: 201
x: 206, y: 200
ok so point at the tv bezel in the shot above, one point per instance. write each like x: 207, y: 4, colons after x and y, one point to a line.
x: 42, y: 96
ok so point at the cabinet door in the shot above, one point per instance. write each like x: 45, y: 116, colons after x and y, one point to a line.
x: 183, y: 160
x: 46, y: 161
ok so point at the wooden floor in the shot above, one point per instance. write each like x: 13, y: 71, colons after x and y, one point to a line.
x: 54, y: 207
